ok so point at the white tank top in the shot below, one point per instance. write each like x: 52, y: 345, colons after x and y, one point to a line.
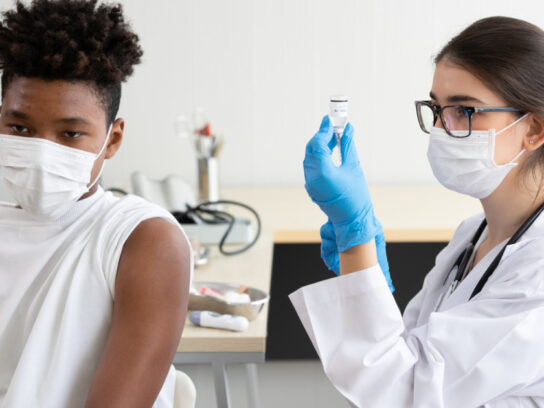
x: 56, y: 298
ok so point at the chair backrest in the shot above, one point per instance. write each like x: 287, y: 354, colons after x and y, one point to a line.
x: 185, y: 391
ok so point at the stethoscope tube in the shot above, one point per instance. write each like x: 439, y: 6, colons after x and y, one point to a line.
x: 493, y: 265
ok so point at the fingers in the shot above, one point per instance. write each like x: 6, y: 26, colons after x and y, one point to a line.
x: 347, y: 147
x: 332, y: 143
x: 322, y: 139
x: 327, y: 231
x: 325, y: 124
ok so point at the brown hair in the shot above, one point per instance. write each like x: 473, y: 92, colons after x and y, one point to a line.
x: 507, y: 55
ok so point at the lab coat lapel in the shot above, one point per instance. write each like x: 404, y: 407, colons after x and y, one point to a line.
x: 466, y: 287
x: 439, y: 273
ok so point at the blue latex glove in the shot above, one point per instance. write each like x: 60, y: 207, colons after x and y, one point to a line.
x: 329, y: 252
x: 382, y: 260
x: 342, y: 193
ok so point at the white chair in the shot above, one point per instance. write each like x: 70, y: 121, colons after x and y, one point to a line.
x: 185, y: 391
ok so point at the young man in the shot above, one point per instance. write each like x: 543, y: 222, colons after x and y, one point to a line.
x: 93, y: 289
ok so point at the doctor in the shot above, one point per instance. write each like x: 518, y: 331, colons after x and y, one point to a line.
x: 474, y: 334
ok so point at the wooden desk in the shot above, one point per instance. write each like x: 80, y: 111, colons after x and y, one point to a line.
x: 220, y: 347
x: 407, y: 213
x: 397, y: 207
x: 391, y: 235
x: 252, y: 268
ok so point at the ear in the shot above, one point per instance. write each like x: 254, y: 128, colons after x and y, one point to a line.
x: 116, y: 137
x: 535, y: 133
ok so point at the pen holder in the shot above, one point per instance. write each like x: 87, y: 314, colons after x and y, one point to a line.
x: 208, y: 179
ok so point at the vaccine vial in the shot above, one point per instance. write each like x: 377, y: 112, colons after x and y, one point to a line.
x: 338, y: 115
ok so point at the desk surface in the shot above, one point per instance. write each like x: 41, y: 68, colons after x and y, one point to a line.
x: 397, y: 207
x: 252, y: 268
x: 413, y: 213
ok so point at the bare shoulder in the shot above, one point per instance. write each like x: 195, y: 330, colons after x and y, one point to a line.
x: 150, y: 308
x: 159, y: 236
x: 157, y: 241
x: 155, y: 262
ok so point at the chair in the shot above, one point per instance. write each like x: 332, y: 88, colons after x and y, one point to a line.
x: 184, y: 392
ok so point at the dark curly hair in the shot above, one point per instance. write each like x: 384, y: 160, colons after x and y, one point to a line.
x: 71, y: 40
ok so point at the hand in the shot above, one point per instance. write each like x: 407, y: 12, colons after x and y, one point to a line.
x: 329, y: 252
x: 382, y: 260
x: 341, y: 192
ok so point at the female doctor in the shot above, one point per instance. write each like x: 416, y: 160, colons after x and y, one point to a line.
x: 474, y: 334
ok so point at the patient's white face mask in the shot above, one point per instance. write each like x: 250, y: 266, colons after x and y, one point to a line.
x: 467, y: 165
x: 46, y: 178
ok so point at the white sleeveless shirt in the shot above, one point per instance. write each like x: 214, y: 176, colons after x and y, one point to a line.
x: 56, y: 298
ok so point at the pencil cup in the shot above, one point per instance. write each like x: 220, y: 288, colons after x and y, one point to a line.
x: 208, y: 179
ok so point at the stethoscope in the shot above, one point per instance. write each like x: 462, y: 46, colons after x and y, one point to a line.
x: 457, y: 270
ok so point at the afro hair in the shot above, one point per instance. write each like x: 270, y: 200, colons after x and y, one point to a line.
x: 72, y: 40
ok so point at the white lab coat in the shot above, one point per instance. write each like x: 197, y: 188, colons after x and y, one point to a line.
x: 488, y: 351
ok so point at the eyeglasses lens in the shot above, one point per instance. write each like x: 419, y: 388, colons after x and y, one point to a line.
x: 456, y: 121
x: 427, y: 117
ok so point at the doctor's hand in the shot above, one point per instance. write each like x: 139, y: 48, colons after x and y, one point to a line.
x: 329, y: 252
x: 341, y: 192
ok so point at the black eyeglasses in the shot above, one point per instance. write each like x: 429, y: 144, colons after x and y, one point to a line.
x: 456, y: 119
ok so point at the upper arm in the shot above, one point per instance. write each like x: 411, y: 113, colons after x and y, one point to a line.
x: 150, y: 306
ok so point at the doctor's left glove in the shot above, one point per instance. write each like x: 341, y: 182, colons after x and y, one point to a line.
x: 329, y: 252
x: 341, y: 191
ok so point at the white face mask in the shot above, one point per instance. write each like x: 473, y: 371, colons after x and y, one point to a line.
x: 467, y: 165
x: 46, y: 178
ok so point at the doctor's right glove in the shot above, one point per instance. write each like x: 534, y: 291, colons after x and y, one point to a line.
x: 342, y: 193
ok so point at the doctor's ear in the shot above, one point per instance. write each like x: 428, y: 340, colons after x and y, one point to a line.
x: 535, y: 133
x: 116, y: 137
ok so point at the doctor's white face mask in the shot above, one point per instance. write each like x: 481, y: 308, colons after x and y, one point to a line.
x: 46, y: 178
x: 467, y: 165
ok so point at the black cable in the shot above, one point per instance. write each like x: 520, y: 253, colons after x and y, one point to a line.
x: 214, y: 217
x: 517, y: 235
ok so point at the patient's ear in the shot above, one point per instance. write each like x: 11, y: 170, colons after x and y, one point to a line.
x: 116, y: 137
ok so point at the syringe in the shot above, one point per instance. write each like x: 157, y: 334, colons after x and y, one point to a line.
x: 338, y: 114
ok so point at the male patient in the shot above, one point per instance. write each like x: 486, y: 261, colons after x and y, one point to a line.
x: 93, y: 288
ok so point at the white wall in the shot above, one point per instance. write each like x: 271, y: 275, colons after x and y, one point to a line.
x: 263, y: 70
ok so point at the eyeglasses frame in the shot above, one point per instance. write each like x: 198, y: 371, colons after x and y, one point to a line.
x: 469, y: 109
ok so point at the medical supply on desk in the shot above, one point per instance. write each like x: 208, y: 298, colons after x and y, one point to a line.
x: 207, y: 146
x: 229, y: 296
x: 338, y: 114
x: 204, y: 222
x: 222, y: 227
x: 172, y: 192
x: 214, y: 296
x: 200, y: 253
x: 208, y: 179
x: 205, y: 318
